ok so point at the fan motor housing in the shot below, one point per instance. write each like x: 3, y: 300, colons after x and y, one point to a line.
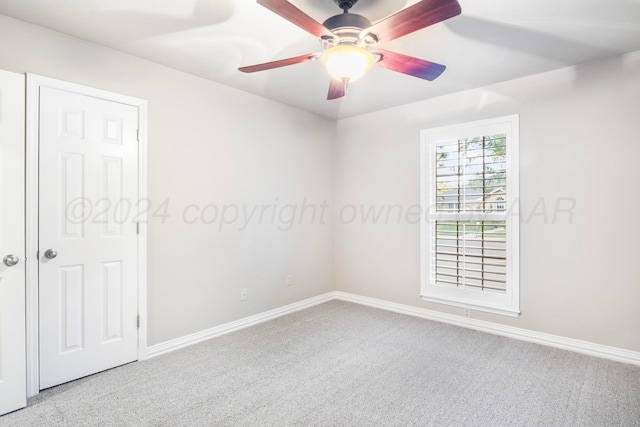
x: 347, y: 20
x: 347, y: 28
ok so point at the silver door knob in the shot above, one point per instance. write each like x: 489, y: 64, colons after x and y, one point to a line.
x: 51, y: 253
x: 11, y: 260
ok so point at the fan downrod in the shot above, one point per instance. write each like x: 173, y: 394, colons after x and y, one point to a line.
x: 345, y: 4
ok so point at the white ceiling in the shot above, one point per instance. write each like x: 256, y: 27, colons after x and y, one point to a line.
x: 491, y: 41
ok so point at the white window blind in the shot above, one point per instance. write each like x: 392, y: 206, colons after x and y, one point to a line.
x: 470, y: 253
x: 469, y: 243
x: 470, y: 175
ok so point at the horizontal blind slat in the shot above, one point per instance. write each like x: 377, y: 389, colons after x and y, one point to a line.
x: 470, y: 254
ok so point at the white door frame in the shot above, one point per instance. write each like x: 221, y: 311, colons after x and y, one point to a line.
x: 34, y: 82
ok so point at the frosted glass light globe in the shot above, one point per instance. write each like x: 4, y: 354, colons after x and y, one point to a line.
x: 347, y: 62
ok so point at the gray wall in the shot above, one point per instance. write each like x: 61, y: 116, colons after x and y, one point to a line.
x: 579, y: 127
x: 209, y: 145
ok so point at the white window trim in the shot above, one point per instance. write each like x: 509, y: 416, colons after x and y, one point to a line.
x: 507, y: 303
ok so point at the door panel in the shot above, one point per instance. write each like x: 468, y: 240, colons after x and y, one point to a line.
x: 88, y: 191
x: 13, y: 393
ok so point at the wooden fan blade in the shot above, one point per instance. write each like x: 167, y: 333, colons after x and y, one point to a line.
x: 337, y: 89
x: 279, y: 63
x: 296, y: 16
x: 409, y: 65
x: 413, y: 18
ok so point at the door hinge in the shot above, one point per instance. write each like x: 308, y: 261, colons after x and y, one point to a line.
x: 137, y: 228
x: 138, y: 135
x: 138, y: 321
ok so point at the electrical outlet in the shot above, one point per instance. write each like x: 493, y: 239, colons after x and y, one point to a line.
x: 467, y: 312
x: 243, y: 294
x: 289, y: 280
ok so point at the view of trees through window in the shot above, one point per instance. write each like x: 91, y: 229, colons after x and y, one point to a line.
x: 471, y: 174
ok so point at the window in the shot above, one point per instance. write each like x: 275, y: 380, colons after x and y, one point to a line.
x: 470, y: 236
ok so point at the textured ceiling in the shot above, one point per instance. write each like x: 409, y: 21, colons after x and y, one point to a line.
x: 491, y: 41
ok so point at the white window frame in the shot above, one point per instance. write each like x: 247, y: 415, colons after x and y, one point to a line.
x: 507, y: 303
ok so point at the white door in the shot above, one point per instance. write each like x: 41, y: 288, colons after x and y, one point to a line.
x: 88, y: 289
x: 13, y: 393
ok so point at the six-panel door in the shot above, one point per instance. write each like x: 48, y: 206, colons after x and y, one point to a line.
x: 87, y: 205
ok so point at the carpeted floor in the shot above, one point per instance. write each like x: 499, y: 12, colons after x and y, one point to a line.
x: 341, y: 364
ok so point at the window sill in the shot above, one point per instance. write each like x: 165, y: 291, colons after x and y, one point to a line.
x: 503, y: 311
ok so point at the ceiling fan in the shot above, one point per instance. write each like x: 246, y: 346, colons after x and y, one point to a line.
x: 350, y: 41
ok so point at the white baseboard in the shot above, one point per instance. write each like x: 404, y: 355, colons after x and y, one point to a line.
x: 585, y: 347
x: 187, y: 340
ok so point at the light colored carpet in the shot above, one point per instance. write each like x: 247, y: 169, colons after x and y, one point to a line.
x: 341, y: 364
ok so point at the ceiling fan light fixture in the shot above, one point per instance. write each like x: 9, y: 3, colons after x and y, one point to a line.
x: 347, y: 63
x: 346, y: 38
